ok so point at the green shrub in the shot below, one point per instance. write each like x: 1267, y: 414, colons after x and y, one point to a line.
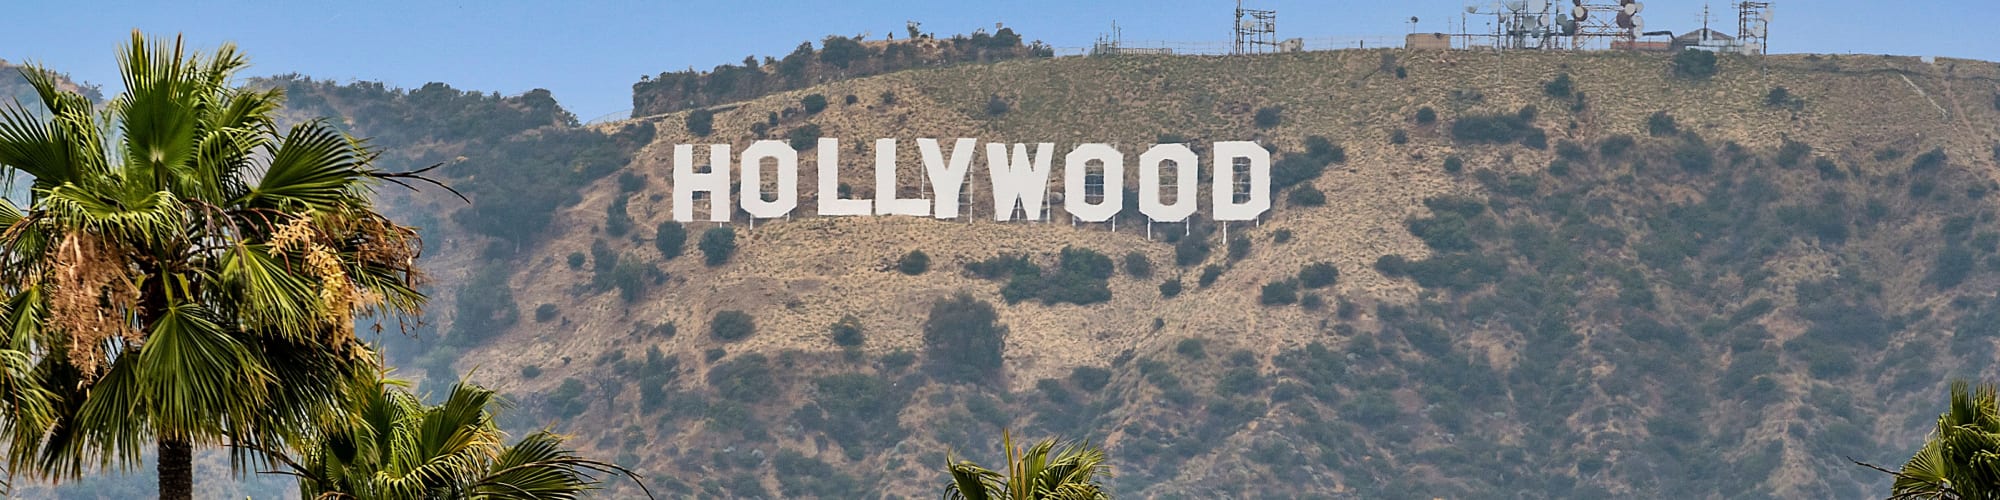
x: 1239, y: 247
x: 670, y: 239
x: 1952, y: 266
x: 1493, y: 129
x: 1695, y: 64
x: 746, y: 378
x: 1170, y: 288
x: 813, y: 104
x: 530, y: 371
x: 1283, y: 292
x: 732, y: 325
x: 1561, y: 87
x: 1571, y: 150
x: 1308, y: 196
x: 1319, y: 275
x: 1661, y: 124
x: 1778, y: 97
x: 1616, y: 146
x: 995, y: 106
x: 1929, y: 161
x: 575, y: 260
x: 1138, y: 266
x: 1454, y: 164
x: 888, y: 97
x: 1322, y: 149
x: 1426, y: 115
x: 564, y: 400
x: 1090, y: 378
x: 717, y: 245
x: 545, y: 312
x: 1694, y: 156
x: 804, y: 137
x: 1281, y: 236
x: 701, y: 122
x: 1535, y: 138
x: 1190, y: 251
x: 914, y: 263
x: 1269, y: 117
x: 1208, y: 275
x: 1399, y: 137
x: 964, y: 340
x: 847, y: 332
x: 616, y: 221
x: 1191, y: 348
x: 1792, y: 153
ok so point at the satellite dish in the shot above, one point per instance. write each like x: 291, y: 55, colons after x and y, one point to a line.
x: 1638, y: 26
x: 1638, y: 7
x: 1767, y: 14
x: 1579, y: 13
x: 1472, y: 9
x: 1629, y: 9
x: 1517, y: 5
x: 1624, y: 20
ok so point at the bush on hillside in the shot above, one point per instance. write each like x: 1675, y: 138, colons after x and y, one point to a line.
x: 1695, y: 64
x: 1308, y: 196
x: 964, y: 340
x: 701, y: 122
x: 1170, y: 288
x: 914, y: 263
x: 670, y: 239
x: 717, y: 245
x: 813, y: 104
x: 1561, y: 87
x: 804, y: 137
x: 1661, y: 124
x: 1426, y: 115
x: 847, y: 332
x: 732, y: 325
x: 1319, y: 275
x: 1138, y: 266
x: 1269, y: 117
x: 1283, y: 292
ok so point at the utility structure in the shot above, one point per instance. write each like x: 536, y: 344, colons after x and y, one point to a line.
x: 1753, y: 25
x: 1256, y: 30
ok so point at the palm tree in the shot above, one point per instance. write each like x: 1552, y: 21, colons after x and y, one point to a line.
x: 182, y: 273
x: 388, y: 445
x: 1049, y: 470
x: 1961, y: 459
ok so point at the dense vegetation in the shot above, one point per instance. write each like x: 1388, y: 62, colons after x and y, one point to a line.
x: 837, y: 57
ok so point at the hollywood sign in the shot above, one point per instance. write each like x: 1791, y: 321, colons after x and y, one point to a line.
x: 1018, y: 174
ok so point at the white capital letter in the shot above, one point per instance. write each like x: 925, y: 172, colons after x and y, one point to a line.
x: 1075, y: 168
x: 1022, y: 179
x: 946, y: 178
x: 1223, y: 196
x: 885, y: 184
x: 1186, y: 166
x: 715, y: 182
x: 830, y: 202
x: 753, y: 179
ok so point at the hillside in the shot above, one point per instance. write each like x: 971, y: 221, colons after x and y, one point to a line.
x: 1656, y: 286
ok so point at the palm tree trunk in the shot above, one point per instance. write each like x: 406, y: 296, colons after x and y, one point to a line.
x: 176, y: 470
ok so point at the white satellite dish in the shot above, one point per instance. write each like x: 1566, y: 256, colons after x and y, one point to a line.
x: 1579, y: 13
x: 1517, y: 5
x: 1638, y: 26
x: 1630, y: 9
x: 1637, y: 7
x: 1767, y: 14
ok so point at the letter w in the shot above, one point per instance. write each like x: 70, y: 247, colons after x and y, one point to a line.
x: 1023, y: 179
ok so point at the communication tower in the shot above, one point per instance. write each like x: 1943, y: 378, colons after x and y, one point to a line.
x: 1256, y: 30
x: 1753, y: 26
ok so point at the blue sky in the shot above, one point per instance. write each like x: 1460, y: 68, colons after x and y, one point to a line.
x: 589, y: 52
